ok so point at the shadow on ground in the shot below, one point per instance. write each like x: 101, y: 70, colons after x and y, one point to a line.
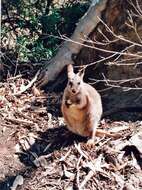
x: 47, y: 143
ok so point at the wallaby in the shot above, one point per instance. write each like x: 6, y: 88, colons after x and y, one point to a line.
x: 82, y: 106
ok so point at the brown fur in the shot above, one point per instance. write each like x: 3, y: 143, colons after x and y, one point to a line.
x: 82, y: 106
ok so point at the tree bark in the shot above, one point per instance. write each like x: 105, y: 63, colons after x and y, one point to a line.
x: 64, y: 56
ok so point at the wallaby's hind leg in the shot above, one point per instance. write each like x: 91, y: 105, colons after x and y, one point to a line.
x: 100, y: 133
x: 91, y: 141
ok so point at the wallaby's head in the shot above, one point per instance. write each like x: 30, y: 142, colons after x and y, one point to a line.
x: 75, y: 80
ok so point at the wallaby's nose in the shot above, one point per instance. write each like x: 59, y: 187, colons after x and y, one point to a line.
x: 73, y: 91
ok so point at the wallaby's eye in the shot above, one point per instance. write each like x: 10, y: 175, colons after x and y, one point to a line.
x: 78, y: 83
x: 70, y: 83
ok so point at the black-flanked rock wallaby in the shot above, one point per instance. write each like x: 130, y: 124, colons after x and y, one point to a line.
x: 82, y: 107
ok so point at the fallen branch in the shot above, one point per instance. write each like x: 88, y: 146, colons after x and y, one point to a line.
x: 19, y: 121
x: 87, y: 178
x: 28, y: 86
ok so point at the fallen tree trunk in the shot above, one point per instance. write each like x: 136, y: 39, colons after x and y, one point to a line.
x: 64, y: 56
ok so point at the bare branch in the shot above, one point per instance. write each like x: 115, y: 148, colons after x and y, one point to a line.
x: 119, y: 37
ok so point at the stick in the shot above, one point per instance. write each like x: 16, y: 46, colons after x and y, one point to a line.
x: 28, y: 86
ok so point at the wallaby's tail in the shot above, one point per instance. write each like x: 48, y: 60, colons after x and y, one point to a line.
x: 102, y: 133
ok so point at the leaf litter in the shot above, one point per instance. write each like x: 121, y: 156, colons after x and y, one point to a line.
x: 37, y: 152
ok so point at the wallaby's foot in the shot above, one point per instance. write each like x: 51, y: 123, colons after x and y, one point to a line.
x: 90, y: 143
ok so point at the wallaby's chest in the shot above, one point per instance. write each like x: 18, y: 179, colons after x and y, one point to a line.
x: 74, y: 113
x: 75, y: 119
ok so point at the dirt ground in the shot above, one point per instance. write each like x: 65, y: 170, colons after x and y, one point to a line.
x: 37, y: 152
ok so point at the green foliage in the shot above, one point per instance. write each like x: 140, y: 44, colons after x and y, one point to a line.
x: 35, y: 26
x: 32, y: 50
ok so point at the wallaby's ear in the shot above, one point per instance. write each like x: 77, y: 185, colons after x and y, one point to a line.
x: 70, y: 72
x: 81, y: 73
